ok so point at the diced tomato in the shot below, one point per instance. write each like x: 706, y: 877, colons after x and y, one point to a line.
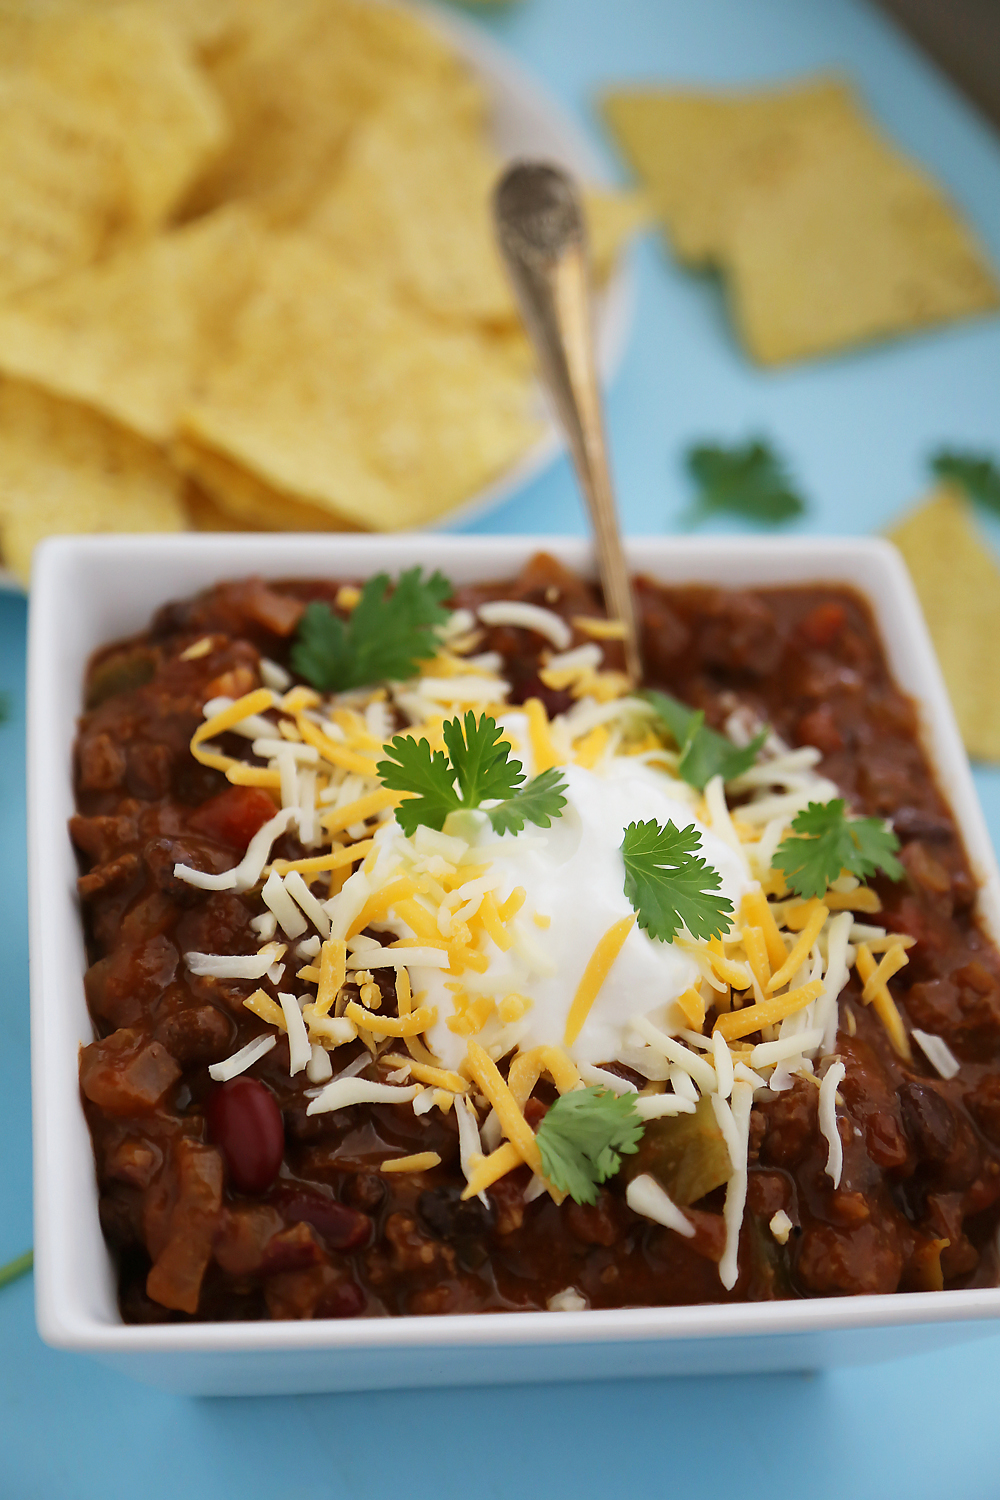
x: 823, y: 624
x: 234, y: 816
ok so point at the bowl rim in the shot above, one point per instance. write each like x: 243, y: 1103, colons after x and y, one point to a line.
x: 77, y: 575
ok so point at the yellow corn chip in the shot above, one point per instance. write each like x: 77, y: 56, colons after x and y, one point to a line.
x: 847, y: 244
x: 612, y: 220
x: 204, y: 515
x: 293, y: 83
x: 132, y: 72
x: 240, y: 501
x: 828, y: 237
x: 128, y: 334
x: 697, y: 152
x: 411, y: 204
x: 958, y: 583
x: 336, y: 396
x: 63, y: 190
x: 66, y: 469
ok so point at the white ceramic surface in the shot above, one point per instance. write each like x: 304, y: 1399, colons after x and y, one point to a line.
x: 89, y: 590
x: 525, y: 121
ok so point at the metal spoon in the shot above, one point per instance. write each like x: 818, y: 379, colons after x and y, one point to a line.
x: 543, y: 241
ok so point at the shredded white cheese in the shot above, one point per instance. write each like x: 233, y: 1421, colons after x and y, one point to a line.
x: 530, y: 617
x: 659, y: 1106
x: 469, y: 1144
x: 290, y: 919
x: 274, y: 676
x: 319, y: 1068
x: 344, y: 1091
x: 250, y: 868
x: 234, y: 966
x: 736, y: 1189
x: 568, y: 1300
x: 723, y: 1065
x: 645, y: 1196
x: 832, y: 1078
x: 303, y: 897
x: 937, y: 1053
x: 604, y: 1079
x: 299, y: 1047
x: 231, y: 1067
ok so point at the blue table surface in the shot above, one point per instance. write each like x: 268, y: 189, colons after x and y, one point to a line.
x: 856, y: 430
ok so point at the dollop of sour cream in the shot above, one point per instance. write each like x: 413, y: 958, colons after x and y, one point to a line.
x: 572, y: 874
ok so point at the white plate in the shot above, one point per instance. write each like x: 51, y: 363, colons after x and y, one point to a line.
x: 89, y: 590
x: 527, y: 122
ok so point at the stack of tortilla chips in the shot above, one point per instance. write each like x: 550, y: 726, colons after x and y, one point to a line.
x: 246, y: 270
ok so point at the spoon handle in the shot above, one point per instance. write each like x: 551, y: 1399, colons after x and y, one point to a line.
x: 542, y: 238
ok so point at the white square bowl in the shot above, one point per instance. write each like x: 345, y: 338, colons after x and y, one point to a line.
x: 90, y: 590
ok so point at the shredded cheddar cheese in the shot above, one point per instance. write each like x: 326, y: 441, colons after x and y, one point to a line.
x: 598, y: 967
x: 420, y: 1161
x: 740, y: 1023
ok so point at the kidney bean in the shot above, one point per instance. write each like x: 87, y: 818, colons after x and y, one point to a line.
x: 341, y: 1227
x: 245, y: 1123
x: 294, y: 1249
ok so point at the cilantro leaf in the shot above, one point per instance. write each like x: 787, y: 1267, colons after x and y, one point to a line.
x: 477, y: 769
x: 977, y: 474
x: 538, y: 802
x: 747, y: 479
x: 386, y: 636
x: 669, y: 886
x: 412, y: 768
x: 481, y: 759
x: 830, y: 842
x: 583, y: 1138
x: 704, y: 753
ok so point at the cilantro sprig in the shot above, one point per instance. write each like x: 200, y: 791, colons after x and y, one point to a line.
x: 976, y: 474
x: 477, y: 768
x: 704, y: 753
x: 669, y: 886
x: 828, y: 842
x: 387, y: 634
x: 748, y: 479
x: 16, y: 1268
x: 583, y: 1138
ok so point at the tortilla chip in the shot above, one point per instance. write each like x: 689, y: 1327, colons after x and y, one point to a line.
x: 295, y: 80
x: 411, y: 205
x: 848, y: 243
x: 828, y: 236
x: 64, y: 189
x: 958, y: 583
x: 335, y: 395
x: 612, y: 219
x: 698, y: 152
x: 66, y: 469
x: 128, y: 334
x: 131, y: 71
x: 204, y: 515
x: 239, y: 501
x: 104, y: 120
